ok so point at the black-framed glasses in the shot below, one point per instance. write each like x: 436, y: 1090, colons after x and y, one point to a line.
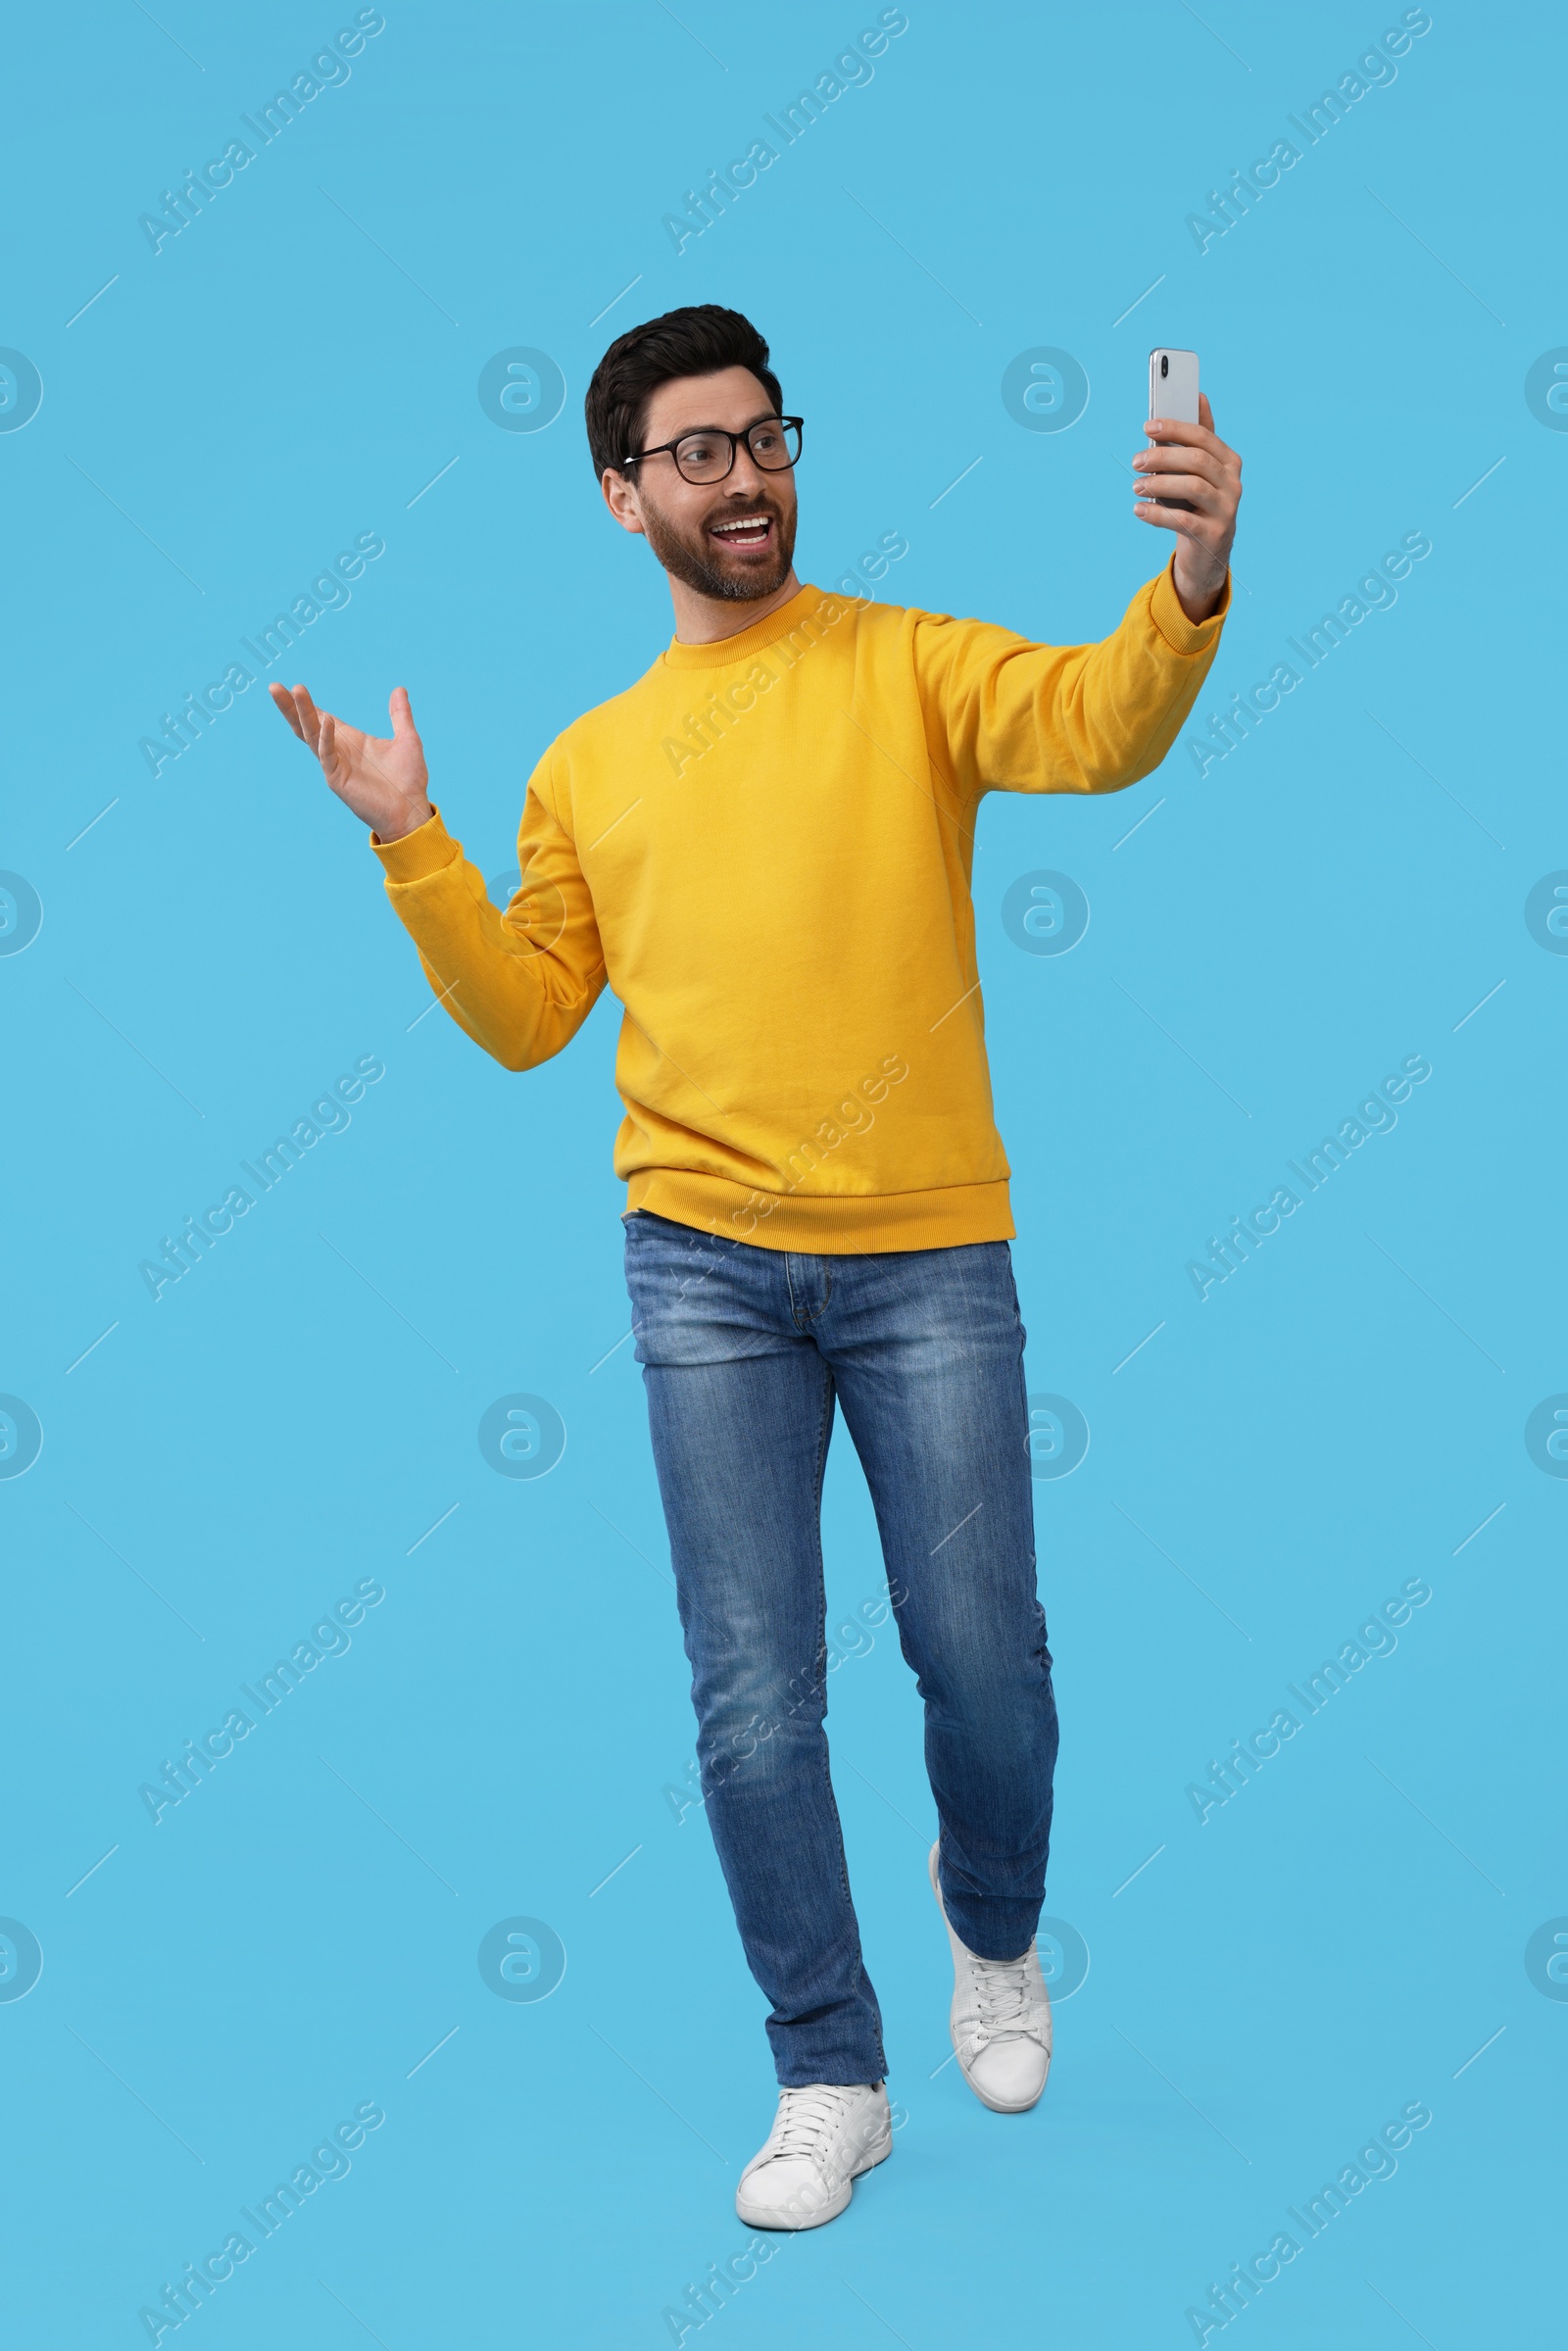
x: 708, y: 454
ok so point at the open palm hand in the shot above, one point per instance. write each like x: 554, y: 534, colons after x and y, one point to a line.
x: 382, y: 781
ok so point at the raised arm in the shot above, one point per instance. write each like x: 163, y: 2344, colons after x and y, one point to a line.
x: 1006, y: 715
x: 519, y: 982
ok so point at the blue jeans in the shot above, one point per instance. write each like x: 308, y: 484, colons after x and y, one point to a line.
x: 744, y: 1353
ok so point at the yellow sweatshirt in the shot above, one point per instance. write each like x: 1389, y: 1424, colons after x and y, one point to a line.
x: 764, y: 847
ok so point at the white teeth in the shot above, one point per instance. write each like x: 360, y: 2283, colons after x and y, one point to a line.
x: 753, y: 523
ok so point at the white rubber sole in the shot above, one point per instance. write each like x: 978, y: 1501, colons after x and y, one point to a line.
x: 761, y: 2217
x: 996, y: 2105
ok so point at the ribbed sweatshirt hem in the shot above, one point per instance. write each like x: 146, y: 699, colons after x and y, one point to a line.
x: 846, y: 1225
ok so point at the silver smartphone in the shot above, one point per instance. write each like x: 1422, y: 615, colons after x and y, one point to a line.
x: 1173, y: 393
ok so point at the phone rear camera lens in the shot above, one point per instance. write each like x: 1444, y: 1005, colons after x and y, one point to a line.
x: 1164, y: 363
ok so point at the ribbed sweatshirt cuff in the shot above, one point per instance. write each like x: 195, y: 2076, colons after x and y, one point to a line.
x: 415, y: 855
x: 1182, y: 635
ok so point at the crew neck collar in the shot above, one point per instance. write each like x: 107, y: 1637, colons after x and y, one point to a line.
x: 724, y: 652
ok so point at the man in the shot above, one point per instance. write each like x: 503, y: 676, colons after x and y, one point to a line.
x: 763, y: 847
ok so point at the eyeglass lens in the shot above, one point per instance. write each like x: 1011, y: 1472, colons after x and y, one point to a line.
x: 708, y: 456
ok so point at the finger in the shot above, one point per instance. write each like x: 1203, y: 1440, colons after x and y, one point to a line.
x: 285, y: 703
x: 401, y: 714
x: 1157, y: 460
x: 326, y: 748
x: 1206, y: 414
x: 1175, y: 518
x: 309, y: 716
x: 1188, y: 497
x: 1193, y: 487
x: 1186, y: 437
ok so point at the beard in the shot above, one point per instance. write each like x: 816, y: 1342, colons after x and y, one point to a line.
x: 693, y: 558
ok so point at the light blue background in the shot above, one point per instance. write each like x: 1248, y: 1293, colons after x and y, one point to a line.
x: 296, y: 1937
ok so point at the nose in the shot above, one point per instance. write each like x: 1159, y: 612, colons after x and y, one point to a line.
x: 745, y: 476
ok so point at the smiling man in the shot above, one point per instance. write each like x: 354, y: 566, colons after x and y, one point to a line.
x: 764, y: 847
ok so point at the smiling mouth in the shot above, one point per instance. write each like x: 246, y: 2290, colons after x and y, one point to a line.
x: 744, y: 531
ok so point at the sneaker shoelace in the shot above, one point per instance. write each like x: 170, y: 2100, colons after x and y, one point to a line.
x: 1002, y: 1999
x: 806, y: 2118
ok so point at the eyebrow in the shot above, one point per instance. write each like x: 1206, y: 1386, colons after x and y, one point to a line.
x: 767, y: 416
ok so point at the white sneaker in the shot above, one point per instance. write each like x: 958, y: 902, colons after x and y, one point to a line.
x: 823, y: 2138
x: 999, y: 2021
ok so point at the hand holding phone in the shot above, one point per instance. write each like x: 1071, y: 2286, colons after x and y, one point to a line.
x: 1174, y: 395
x: 1187, y: 482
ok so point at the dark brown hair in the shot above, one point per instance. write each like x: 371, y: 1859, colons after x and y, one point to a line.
x: 699, y: 340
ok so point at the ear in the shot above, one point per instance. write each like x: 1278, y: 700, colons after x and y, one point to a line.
x: 621, y: 499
